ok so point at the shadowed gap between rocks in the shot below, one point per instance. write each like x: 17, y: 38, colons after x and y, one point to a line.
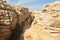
x: 16, y: 33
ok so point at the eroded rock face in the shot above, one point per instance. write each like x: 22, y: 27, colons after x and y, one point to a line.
x: 46, y: 25
x: 14, y: 20
x: 7, y: 19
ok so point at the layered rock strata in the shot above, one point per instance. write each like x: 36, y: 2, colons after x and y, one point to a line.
x: 46, y: 25
x: 14, y: 20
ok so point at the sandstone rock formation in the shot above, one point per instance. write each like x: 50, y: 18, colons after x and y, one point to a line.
x: 46, y: 25
x: 14, y: 20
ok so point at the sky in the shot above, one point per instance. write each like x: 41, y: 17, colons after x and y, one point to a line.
x: 31, y: 4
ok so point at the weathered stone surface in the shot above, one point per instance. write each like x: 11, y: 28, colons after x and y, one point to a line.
x: 14, y: 20
x: 46, y: 25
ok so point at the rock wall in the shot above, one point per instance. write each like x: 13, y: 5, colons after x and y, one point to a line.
x: 18, y: 23
x: 14, y: 20
x: 46, y: 25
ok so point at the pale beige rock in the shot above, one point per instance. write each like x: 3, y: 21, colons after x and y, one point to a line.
x: 46, y: 25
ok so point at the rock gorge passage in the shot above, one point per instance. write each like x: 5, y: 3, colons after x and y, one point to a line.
x: 20, y: 23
